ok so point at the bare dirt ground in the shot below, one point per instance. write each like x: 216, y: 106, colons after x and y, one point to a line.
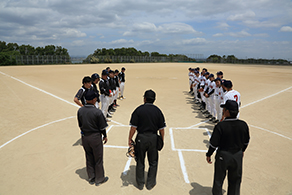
x: 40, y: 151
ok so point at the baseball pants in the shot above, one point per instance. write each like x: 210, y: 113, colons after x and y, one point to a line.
x: 219, y: 110
x: 104, y: 104
x: 231, y: 163
x: 122, y: 87
x: 195, y: 91
x: 212, y: 105
x: 146, y: 143
x: 93, y: 147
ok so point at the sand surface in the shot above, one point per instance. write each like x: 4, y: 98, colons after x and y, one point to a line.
x: 48, y: 159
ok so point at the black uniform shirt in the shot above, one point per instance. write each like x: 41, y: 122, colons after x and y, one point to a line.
x: 80, y: 94
x: 147, y: 118
x: 229, y: 135
x: 117, y: 81
x: 91, y: 120
x: 94, y: 87
x: 104, y: 87
x: 122, y: 77
x: 112, y: 84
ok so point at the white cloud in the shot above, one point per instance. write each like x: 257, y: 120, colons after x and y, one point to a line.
x: 73, y: 33
x: 239, y: 34
x: 261, y: 35
x: 222, y: 25
x: 243, y: 16
x: 194, y: 41
x: 218, y: 35
x: 286, y: 29
x: 121, y: 41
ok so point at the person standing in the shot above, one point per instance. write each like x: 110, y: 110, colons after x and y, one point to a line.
x: 95, y: 79
x: 231, y: 138
x: 146, y: 119
x: 92, y: 124
x: 86, y: 85
x: 122, y: 82
x: 105, y: 93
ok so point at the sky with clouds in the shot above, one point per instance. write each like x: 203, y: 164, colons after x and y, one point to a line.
x: 244, y: 28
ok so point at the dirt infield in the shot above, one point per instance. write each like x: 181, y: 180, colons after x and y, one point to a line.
x: 40, y: 151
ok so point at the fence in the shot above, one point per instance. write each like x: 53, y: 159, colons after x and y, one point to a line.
x: 45, y: 59
x: 140, y: 59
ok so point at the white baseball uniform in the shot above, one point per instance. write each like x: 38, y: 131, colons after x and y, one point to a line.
x: 232, y: 95
x: 218, y: 101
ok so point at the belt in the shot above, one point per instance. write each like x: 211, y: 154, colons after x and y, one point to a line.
x: 147, y: 133
x: 89, y: 133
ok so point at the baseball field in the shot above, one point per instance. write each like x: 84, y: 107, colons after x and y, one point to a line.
x: 40, y: 151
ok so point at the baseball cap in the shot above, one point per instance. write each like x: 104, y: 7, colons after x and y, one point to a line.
x: 227, y: 83
x: 111, y: 71
x: 230, y: 105
x: 218, y: 79
x: 116, y: 71
x: 94, y: 76
x: 219, y: 73
x: 149, y: 94
x: 104, y: 72
x: 90, y: 95
x: 123, y: 68
x: 196, y: 72
x: 211, y: 75
x: 206, y: 73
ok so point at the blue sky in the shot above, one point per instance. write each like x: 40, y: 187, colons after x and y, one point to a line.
x: 244, y: 28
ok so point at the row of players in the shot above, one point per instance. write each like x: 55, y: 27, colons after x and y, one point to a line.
x: 111, y: 87
x: 210, y: 92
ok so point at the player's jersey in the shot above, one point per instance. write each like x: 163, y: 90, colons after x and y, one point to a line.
x: 219, y: 93
x: 202, y: 81
x: 207, y: 83
x: 232, y: 95
x: 211, y: 86
x: 196, y: 80
x: 191, y: 76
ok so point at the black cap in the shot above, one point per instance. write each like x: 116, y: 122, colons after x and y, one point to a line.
x: 211, y: 75
x: 218, y: 79
x: 149, y: 94
x: 206, y: 73
x: 227, y: 83
x: 230, y: 105
x: 123, y: 68
x: 220, y: 73
x: 94, y: 76
x: 116, y: 71
x: 104, y: 72
x: 90, y: 95
x: 111, y: 71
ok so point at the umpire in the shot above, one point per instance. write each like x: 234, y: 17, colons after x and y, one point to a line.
x: 147, y: 119
x: 231, y: 138
x: 93, y: 124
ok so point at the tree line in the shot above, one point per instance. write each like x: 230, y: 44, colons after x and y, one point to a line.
x: 232, y: 59
x: 10, y: 51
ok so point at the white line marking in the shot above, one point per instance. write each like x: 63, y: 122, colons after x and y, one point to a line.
x: 109, y: 129
x: 36, y: 129
x: 271, y: 132
x: 266, y: 97
x: 111, y: 146
x: 183, y: 167
x: 191, y: 150
x: 209, y: 134
x: 171, y: 139
x: 126, y: 169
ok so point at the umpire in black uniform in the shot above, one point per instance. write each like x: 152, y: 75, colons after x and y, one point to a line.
x: 93, y: 124
x: 231, y: 138
x: 147, y: 119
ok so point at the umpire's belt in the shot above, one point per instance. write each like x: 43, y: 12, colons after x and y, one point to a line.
x: 90, y: 133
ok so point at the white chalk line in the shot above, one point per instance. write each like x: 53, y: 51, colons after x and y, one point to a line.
x: 41, y: 90
x: 56, y: 121
x: 183, y: 168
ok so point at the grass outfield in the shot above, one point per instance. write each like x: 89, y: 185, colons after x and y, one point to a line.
x: 40, y: 150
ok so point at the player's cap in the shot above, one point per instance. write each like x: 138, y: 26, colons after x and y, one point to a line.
x: 190, y: 68
x: 196, y: 72
x: 104, y: 72
x: 94, y: 76
x: 219, y: 73
x: 230, y: 105
x: 227, y: 83
x: 193, y: 70
x: 111, y: 71
x: 206, y: 73
x: 108, y: 68
x: 123, y: 68
x: 218, y: 79
x: 149, y: 94
x: 116, y: 71
x: 90, y: 95
x: 211, y: 75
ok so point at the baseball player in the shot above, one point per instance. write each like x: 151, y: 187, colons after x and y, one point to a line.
x: 207, y: 82
x: 122, y: 82
x: 86, y: 81
x: 117, y: 87
x: 209, y: 94
x: 95, y: 79
x: 231, y: 138
x: 105, y: 93
x: 196, y: 82
x: 191, y: 75
x: 218, y: 98
x: 230, y: 93
x: 112, y: 85
x: 201, y: 90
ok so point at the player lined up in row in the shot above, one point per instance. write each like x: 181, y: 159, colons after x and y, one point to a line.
x: 210, y: 92
x: 111, y: 88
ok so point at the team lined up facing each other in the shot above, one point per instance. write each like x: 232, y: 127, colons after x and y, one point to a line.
x: 111, y: 87
x: 210, y: 92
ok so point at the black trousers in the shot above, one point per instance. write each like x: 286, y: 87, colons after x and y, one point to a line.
x: 93, y: 147
x: 146, y: 143
x: 231, y: 163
